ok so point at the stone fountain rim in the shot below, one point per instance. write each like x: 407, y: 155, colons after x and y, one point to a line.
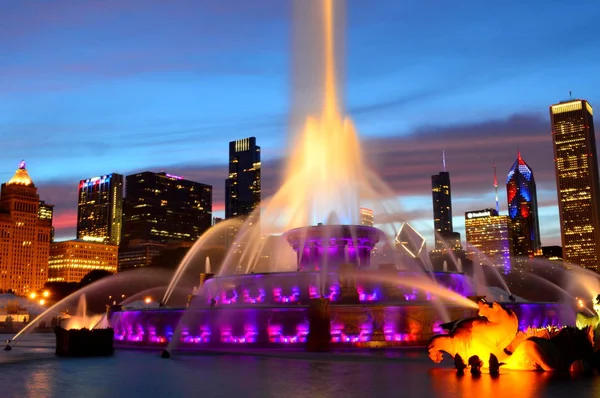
x: 320, y: 228
x: 296, y: 272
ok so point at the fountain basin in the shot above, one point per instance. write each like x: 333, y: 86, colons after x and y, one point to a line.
x: 84, y: 342
x: 364, y: 325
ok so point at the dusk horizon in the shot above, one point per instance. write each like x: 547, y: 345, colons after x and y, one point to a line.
x: 127, y: 107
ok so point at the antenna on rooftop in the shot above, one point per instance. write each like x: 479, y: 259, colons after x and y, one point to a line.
x: 444, y: 160
x: 496, y: 189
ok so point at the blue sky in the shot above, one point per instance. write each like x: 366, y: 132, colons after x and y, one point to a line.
x: 92, y: 87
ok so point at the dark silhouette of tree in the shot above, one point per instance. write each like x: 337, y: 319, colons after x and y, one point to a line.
x: 92, y: 277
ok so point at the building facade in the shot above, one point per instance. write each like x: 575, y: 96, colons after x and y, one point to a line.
x: 575, y: 160
x: 46, y: 212
x: 139, y: 254
x: 100, y: 209
x: 447, y: 251
x: 161, y: 207
x: 488, y: 238
x: 71, y: 260
x: 243, y: 187
x: 523, y: 210
x: 24, y: 236
x: 442, y: 207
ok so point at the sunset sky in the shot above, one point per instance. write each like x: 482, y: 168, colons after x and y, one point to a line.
x: 93, y: 87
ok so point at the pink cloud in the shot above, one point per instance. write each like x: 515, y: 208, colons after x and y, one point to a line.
x: 65, y: 219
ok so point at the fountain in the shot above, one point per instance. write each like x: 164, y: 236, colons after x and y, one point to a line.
x: 80, y: 335
x: 125, y: 282
x: 81, y: 319
x: 321, y: 290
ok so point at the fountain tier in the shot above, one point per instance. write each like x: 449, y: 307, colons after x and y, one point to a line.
x: 330, y: 246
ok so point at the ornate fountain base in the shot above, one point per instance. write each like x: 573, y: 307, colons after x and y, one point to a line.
x: 319, y: 325
x: 84, y: 342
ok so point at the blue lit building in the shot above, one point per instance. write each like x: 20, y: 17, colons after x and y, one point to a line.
x: 523, y: 210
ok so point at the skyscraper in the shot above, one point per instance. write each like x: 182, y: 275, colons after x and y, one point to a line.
x: 445, y: 238
x: 24, y: 235
x: 162, y: 207
x: 523, y: 210
x: 577, y: 183
x: 46, y: 212
x: 100, y: 209
x: 442, y: 207
x: 488, y: 238
x: 242, y: 188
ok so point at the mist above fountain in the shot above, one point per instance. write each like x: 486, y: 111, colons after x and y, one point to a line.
x: 81, y: 319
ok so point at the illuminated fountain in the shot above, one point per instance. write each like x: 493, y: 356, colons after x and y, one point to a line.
x: 320, y: 287
x: 82, y: 320
x: 84, y: 334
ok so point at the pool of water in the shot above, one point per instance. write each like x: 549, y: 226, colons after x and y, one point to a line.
x: 32, y: 370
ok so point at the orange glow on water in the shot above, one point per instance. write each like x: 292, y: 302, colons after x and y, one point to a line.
x: 509, y: 384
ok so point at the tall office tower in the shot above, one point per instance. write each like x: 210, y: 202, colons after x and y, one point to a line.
x: 162, y: 211
x: 442, y: 202
x: 242, y: 188
x: 488, y: 238
x: 46, y: 212
x: 523, y: 210
x: 71, y: 260
x: 24, y: 236
x: 577, y: 182
x: 445, y: 238
x: 442, y: 207
x: 162, y: 207
x: 100, y: 209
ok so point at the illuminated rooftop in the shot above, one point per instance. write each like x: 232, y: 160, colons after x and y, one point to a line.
x: 21, y: 176
x: 570, y: 106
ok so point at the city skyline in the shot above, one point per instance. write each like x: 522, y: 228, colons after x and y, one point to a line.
x: 506, y: 109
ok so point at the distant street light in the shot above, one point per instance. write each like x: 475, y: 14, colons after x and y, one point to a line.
x: 32, y: 295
